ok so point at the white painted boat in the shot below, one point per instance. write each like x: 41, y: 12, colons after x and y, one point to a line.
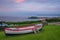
x: 22, y: 30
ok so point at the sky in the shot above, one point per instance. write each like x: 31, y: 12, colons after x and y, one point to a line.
x: 19, y: 8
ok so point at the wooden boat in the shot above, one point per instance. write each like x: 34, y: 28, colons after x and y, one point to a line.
x: 22, y: 30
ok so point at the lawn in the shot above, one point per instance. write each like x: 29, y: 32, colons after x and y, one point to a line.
x: 50, y: 32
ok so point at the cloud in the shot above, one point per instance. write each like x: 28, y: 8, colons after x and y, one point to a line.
x: 29, y: 6
x: 37, y: 7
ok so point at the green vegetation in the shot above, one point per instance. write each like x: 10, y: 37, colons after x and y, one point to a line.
x: 53, y: 20
x: 50, y: 32
x: 25, y: 22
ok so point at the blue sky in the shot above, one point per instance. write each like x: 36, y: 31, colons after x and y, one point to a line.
x: 29, y: 7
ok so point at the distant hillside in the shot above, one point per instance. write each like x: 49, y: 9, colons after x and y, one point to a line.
x: 33, y: 17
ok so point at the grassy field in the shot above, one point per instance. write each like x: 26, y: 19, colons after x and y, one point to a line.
x: 51, y: 32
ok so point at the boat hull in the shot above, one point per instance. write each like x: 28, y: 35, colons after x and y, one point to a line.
x: 22, y: 30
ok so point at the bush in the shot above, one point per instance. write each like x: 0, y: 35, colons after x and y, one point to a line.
x: 53, y: 20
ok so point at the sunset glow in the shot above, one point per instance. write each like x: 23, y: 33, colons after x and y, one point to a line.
x: 19, y: 1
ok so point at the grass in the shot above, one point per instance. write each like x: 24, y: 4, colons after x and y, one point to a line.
x: 50, y: 32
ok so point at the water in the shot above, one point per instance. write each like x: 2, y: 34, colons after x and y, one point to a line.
x: 20, y: 19
x: 16, y: 19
